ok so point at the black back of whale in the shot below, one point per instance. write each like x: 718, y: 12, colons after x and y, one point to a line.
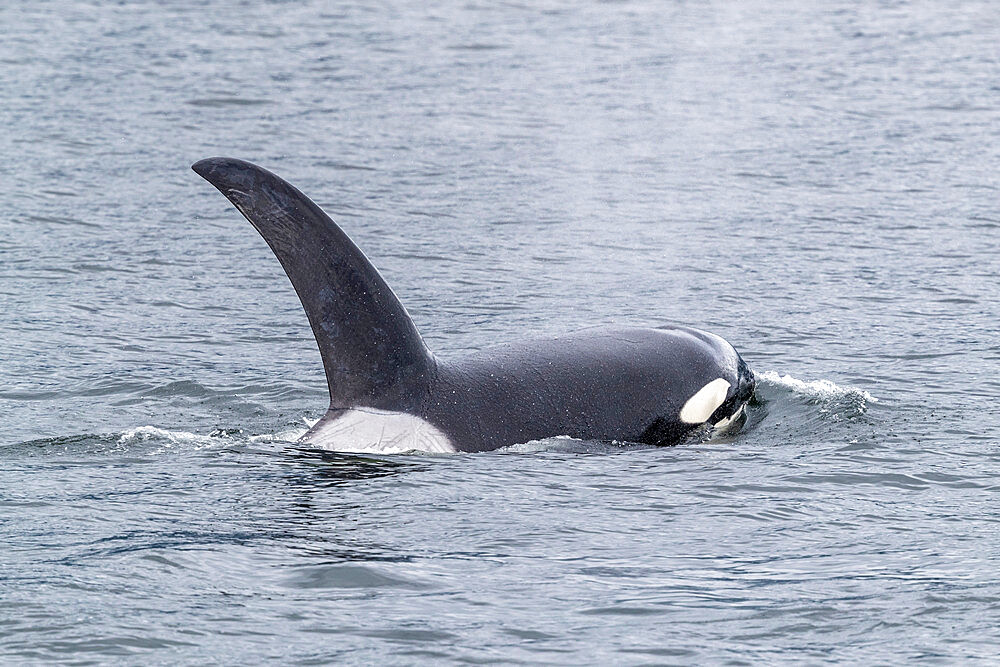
x: 606, y: 383
x: 617, y: 383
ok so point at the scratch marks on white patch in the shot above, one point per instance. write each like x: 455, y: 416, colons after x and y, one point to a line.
x: 369, y: 430
x: 706, y: 400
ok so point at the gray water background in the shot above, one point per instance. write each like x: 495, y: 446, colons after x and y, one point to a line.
x: 815, y: 181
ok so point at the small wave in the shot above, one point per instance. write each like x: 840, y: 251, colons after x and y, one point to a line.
x: 822, y: 389
x: 808, y: 400
x: 144, y: 434
x: 567, y: 445
x: 290, y: 435
x: 153, y: 440
x: 226, y: 101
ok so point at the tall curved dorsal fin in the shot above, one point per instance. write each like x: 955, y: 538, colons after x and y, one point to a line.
x: 372, y: 352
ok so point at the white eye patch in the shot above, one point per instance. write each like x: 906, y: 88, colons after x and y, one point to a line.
x: 706, y: 400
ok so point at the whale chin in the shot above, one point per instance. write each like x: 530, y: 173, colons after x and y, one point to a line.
x: 732, y: 423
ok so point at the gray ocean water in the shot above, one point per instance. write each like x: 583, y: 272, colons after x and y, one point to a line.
x: 815, y: 181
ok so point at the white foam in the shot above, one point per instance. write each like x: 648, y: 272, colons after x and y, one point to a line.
x: 555, y: 443
x: 195, y: 441
x: 291, y: 435
x: 815, y: 388
x: 146, y: 433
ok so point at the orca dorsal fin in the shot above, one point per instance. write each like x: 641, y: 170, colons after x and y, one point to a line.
x: 372, y: 352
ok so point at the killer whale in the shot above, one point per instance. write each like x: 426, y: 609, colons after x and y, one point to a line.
x: 388, y: 392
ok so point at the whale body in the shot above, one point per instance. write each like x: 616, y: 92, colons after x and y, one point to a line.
x: 389, y: 393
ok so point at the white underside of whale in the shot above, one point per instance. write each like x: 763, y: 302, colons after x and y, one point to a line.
x: 367, y: 430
